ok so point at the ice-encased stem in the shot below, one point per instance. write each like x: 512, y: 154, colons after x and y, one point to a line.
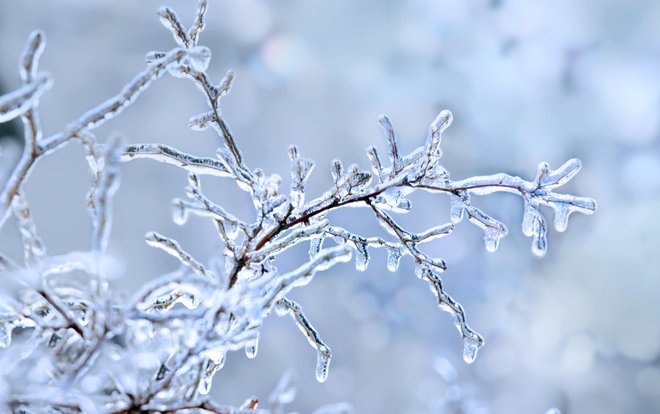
x: 324, y: 355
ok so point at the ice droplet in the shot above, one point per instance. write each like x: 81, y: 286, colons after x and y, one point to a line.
x: 562, y: 212
x: 252, y: 347
x: 457, y: 209
x: 539, y: 241
x: 471, y: 345
x: 393, y: 258
x: 492, y: 239
x: 322, y: 366
x: 529, y: 215
x: 361, y: 256
x: 179, y: 212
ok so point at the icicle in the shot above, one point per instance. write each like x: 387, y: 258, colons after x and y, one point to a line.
x: 179, y: 211
x: 252, y: 346
x: 539, y: 239
x: 457, y: 209
x: 215, y: 360
x: 394, y: 254
x: 324, y: 355
x: 562, y: 212
x: 565, y: 205
x: 361, y: 256
x: 322, y: 366
x: 392, y: 146
x: 529, y: 217
x: 472, y: 341
x: 493, y: 229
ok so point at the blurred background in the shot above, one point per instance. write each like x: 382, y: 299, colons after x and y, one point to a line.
x: 527, y: 82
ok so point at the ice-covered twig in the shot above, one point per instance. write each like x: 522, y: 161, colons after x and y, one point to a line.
x: 324, y: 355
x: 104, y: 164
x: 22, y: 100
x: 172, y: 247
x: 534, y: 193
x: 169, y: 155
x: 198, y: 24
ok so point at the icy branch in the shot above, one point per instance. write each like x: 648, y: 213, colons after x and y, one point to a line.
x: 160, y: 351
x: 324, y: 356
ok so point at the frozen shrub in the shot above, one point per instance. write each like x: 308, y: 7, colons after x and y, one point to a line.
x: 89, y: 351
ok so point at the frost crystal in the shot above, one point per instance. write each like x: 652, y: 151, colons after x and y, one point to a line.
x: 93, y: 351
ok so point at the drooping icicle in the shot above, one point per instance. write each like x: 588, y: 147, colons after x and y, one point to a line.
x: 322, y: 366
x: 457, y: 208
x: 324, y: 355
x: 493, y: 229
x: 361, y: 256
x: 252, y: 347
x: 539, y: 238
x: 394, y: 254
x: 472, y: 341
